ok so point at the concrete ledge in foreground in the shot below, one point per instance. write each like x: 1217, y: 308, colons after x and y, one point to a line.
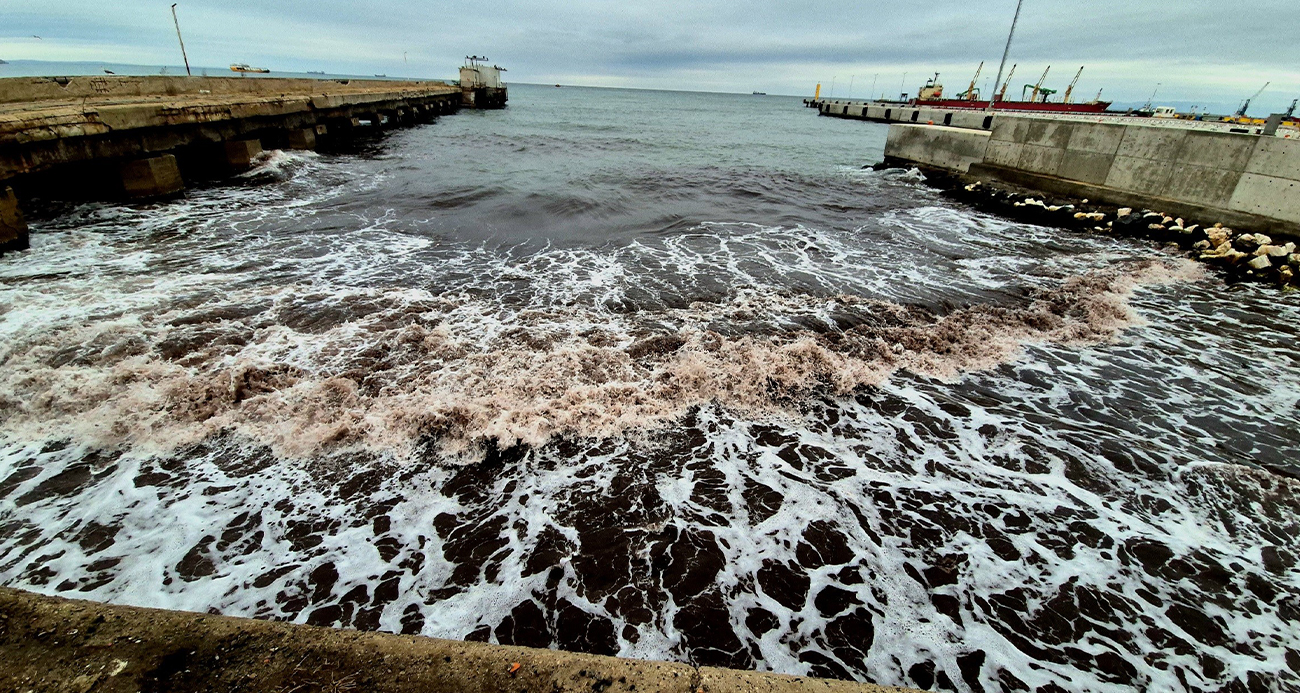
x: 55, y: 644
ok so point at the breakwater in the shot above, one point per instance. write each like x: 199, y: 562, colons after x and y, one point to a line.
x: 53, y: 644
x: 1192, y: 188
x: 146, y: 137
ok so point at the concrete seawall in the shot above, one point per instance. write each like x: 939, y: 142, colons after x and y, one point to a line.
x: 142, y: 137
x: 52, y: 644
x: 1241, y: 180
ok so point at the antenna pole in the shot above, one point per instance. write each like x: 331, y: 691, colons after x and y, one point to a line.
x: 1007, y: 51
x: 184, y: 57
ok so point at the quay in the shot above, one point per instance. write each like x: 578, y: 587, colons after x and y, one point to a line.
x: 1226, y: 194
x: 1243, y: 177
x: 1241, y: 180
x: 53, y: 644
x: 147, y: 137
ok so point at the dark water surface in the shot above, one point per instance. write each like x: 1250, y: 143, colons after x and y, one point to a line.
x: 666, y: 376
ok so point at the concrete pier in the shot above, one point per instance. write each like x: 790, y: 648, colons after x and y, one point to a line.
x: 157, y: 176
x: 240, y: 154
x: 66, y: 135
x: 13, y: 228
x: 1242, y: 180
x: 51, y: 644
x: 302, y: 138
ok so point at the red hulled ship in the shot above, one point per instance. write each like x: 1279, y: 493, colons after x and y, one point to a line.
x: 931, y: 95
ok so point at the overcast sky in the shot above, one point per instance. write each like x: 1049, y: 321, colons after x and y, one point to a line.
x: 1197, y: 51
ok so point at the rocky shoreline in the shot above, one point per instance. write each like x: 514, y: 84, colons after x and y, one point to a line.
x: 1237, y: 253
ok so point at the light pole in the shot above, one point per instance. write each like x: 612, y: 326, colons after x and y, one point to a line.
x: 1005, y: 52
x: 184, y: 57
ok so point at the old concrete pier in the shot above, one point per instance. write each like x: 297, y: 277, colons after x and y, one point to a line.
x: 142, y: 137
x: 50, y: 644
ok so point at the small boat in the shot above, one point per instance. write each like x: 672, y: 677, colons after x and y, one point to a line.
x: 557, y: 86
x: 381, y: 75
x: 243, y: 67
x: 760, y: 93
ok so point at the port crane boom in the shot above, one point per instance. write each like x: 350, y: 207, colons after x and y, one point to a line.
x: 1038, y: 88
x: 1241, y: 112
x: 1070, y: 89
x: 1002, y: 93
x: 971, y: 94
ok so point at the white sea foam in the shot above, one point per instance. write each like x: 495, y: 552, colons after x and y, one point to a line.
x: 717, y: 417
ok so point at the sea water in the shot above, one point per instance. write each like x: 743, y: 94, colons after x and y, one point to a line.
x: 662, y: 375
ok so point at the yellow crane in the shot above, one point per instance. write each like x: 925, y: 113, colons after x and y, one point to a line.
x: 1070, y: 89
x: 1038, y: 88
x: 970, y: 94
x: 1002, y: 94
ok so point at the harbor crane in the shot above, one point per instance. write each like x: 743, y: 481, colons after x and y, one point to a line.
x: 1038, y: 88
x: 1241, y: 112
x: 1070, y: 89
x: 971, y: 93
x: 1291, y: 110
x: 1002, y: 93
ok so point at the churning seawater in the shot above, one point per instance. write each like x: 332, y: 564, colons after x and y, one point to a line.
x: 662, y: 375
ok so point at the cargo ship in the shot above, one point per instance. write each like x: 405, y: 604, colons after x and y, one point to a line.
x: 1037, y: 100
x: 243, y: 67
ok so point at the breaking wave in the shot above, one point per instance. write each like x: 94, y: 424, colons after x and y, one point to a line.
x: 306, y: 372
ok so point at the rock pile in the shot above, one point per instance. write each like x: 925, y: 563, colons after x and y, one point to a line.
x: 1241, y: 255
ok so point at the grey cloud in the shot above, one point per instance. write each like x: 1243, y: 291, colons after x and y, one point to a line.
x: 1195, y: 49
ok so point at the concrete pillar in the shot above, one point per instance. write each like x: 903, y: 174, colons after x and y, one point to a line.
x: 240, y: 153
x: 154, y: 177
x: 13, y: 228
x: 303, y: 138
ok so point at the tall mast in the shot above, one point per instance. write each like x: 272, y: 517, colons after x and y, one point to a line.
x: 184, y: 57
x: 1006, y: 51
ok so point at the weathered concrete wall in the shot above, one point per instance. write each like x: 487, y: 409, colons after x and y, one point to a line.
x: 1245, y: 180
x: 865, y: 110
x: 954, y: 149
x: 27, y: 89
x: 41, y: 133
x: 13, y: 228
x: 49, y: 644
x: 1270, y: 183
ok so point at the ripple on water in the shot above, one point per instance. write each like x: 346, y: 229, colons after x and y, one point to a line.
x: 935, y: 449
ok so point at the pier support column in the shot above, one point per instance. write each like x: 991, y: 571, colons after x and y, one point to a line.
x: 240, y: 153
x: 154, y: 177
x: 13, y: 228
x: 304, y: 138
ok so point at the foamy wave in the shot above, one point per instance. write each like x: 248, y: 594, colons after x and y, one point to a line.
x: 391, y: 370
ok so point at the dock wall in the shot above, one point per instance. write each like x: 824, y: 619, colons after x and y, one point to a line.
x: 111, y: 137
x: 901, y: 113
x: 52, y: 644
x: 30, y: 89
x: 1240, y: 179
x: 954, y: 149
